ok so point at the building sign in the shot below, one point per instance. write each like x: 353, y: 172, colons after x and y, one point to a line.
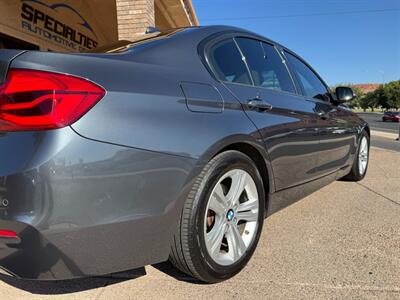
x: 45, y: 20
x: 72, y: 25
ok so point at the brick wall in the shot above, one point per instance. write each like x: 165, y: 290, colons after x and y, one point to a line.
x: 134, y: 16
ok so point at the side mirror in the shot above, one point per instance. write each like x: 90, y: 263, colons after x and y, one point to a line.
x: 344, y: 94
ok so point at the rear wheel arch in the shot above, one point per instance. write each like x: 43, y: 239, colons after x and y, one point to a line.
x: 355, y: 173
x: 254, y: 154
x: 367, y: 130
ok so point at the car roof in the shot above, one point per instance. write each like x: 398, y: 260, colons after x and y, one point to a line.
x: 213, y: 29
x: 174, y: 37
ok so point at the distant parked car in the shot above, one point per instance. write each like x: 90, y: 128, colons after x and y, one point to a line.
x: 393, y: 116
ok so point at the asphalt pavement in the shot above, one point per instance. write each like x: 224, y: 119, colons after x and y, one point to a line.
x: 384, y: 133
x: 385, y: 142
x: 376, y: 123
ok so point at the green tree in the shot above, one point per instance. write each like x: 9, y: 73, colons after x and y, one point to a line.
x: 386, y: 96
x: 368, y: 100
x: 391, y: 95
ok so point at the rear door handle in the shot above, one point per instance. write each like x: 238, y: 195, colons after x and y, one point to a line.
x: 259, y: 104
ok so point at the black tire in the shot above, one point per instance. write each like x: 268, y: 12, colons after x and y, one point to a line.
x: 189, y: 253
x: 355, y: 174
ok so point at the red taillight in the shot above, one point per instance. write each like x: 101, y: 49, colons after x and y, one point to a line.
x: 35, y: 100
x: 8, y: 234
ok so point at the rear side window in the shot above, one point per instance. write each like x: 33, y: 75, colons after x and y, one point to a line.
x: 311, y: 85
x: 266, y: 66
x: 228, y: 64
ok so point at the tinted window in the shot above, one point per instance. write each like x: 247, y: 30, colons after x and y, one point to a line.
x: 228, y: 64
x: 310, y: 83
x: 266, y: 65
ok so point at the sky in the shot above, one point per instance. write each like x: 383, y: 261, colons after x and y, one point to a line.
x: 346, y: 41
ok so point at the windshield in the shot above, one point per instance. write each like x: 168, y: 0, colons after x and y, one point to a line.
x: 121, y: 46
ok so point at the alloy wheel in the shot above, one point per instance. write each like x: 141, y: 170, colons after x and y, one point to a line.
x: 231, y: 221
x: 363, y: 156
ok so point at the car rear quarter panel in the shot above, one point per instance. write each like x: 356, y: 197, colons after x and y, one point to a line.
x: 83, y: 207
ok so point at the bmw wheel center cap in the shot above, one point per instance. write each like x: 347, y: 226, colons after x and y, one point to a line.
x: 229, y: 215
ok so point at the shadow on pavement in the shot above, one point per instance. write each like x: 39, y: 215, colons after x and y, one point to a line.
x: 170, y: 270
x: 58, y: 287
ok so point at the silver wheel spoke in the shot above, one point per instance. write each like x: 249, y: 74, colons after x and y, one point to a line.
x: 364, y: 145
x: 215, y: 237
x: 218, y: 202
x: 235, y: 242
x: 248, y: 205
x: 249, y: 216
x: 239, y: 179
x: 248, y: 211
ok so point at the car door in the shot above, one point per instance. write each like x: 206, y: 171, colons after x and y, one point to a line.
x: 336, y: 130
x: 286, y: 122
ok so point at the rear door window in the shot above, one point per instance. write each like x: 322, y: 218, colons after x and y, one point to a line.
x: 309, y: 82
x: 228, y: 64
x: 266, y: 66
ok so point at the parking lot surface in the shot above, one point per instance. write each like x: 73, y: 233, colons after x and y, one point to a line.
x: 341, y: 242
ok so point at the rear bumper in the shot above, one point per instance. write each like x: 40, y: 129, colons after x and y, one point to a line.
x: 82, y: 207
x: 83, y: 252
x: 30, y: 256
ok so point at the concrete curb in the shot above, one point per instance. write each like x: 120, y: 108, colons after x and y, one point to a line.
x: 385, y: 150
x: 384, y: 134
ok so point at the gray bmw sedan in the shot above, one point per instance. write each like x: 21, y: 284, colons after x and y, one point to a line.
x: 174, y: 146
